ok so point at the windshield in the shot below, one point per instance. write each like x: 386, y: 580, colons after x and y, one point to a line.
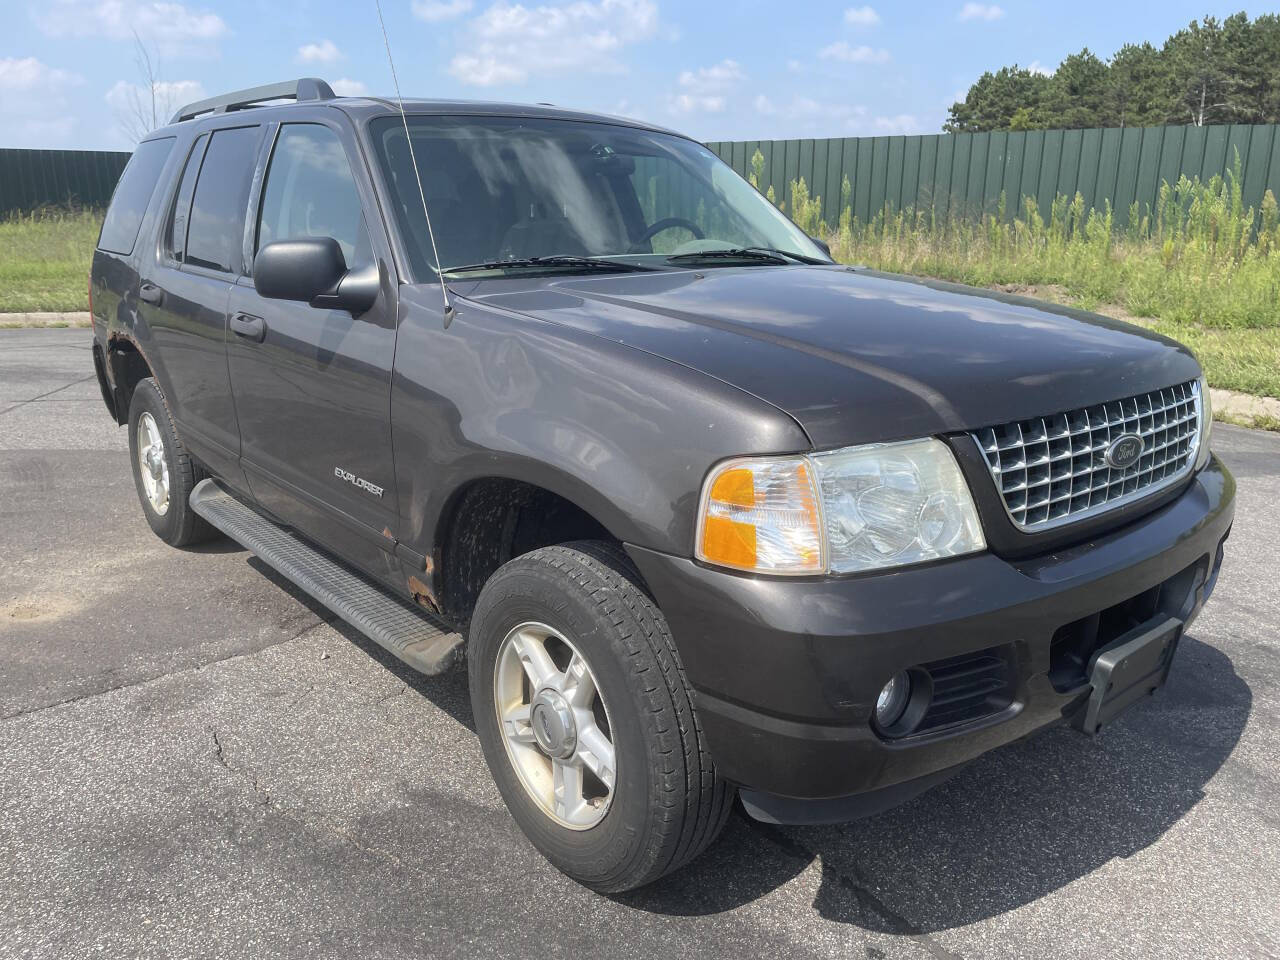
x: 509, y: 188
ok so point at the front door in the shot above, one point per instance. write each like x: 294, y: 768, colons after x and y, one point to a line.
x: 312, y: 386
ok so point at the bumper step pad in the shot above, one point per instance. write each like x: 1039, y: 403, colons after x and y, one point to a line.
x: 411, y: 634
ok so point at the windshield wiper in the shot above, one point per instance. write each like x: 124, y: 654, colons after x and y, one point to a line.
x: 525, y: 263
x: 761, y: 254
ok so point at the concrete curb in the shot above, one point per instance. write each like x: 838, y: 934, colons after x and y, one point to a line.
x: 1243, y: 409
x: 12, y: 320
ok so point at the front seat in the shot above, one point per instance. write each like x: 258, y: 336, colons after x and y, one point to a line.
x: 544, y: 231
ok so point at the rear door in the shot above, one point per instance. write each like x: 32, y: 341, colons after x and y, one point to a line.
x: 114, y: 275
x: 313, y: 394
x: 113, y: 278
x: 185, y: 292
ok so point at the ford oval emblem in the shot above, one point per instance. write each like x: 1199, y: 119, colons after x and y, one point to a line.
x: 1124, y: 451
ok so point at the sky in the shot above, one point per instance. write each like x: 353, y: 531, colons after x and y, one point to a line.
x: 714, y: 70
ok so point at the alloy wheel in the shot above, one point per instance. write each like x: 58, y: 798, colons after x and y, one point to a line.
x: 555, y: 725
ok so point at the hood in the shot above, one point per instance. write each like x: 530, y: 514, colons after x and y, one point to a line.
x: 858, y: 357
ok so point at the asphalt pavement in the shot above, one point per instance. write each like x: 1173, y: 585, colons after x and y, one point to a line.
x: 197, y: 761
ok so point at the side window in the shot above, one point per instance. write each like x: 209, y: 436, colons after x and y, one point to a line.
x: 311, y: 192
x: 175, y: 238
x: 215, y: 232
x: 132, y: 195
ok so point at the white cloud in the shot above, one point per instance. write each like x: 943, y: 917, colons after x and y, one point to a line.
x: 1035, y: 66
x: 326, y: 51
x: 802, y: 116
x: 178, y: 92
x: 486, y: 71
x: 33, y: 103
x: 808, y: 110
x: 38, y: 134
x: 720, y: 77
x: 861, y: 17
x: 27, y: 74
x: 980, y: 11
x: 349, y: 88
x: 846, y: 53
x: 172, y: 28
x: 622, y: 108
x: 898, y: 124
x: 434, y: 11
x: 693, y: 103
x: 809, y: 107
x: 508, y: 43
x: 136, y: 111
x: 703, y: 90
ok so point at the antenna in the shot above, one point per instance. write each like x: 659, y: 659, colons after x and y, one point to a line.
x: 422, y: 194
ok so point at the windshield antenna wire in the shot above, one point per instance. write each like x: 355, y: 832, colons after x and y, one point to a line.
x: 422, y: 194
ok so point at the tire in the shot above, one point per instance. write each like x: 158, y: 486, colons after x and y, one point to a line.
x: 667, y: 802
x: 174, y: 522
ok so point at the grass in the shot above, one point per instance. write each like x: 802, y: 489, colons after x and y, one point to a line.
x: 1257, y: 421
x: 44, y: 260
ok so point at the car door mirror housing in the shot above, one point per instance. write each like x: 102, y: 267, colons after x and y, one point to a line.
x: 356, y: 291
x: 314, y: 271
x: 822, y: 245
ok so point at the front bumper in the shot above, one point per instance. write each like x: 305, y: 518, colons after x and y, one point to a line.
x: 786, y: 671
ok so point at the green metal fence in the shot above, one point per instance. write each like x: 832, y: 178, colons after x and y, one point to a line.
x: 38, y: 178
x: 958, y: 175
x: 964, y: 175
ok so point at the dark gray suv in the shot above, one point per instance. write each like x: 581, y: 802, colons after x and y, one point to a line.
x: 710, y: 514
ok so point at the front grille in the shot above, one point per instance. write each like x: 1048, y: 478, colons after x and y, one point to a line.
x: 1053, y: 470
x: 967, y: 687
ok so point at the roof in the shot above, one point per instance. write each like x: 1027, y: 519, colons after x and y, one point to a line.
x: 314, y: 91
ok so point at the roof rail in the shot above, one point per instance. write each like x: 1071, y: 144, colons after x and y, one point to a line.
x: 306, y: 88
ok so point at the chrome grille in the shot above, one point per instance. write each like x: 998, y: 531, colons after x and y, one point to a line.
x: 1053, y: 470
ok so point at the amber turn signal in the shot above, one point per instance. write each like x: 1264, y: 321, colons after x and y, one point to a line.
x: 762, y: 515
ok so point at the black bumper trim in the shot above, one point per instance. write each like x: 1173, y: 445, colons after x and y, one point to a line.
x: 791, y: 811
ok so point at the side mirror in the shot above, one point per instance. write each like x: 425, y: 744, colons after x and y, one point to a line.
x: 822, y: 245
x: 315, y: 272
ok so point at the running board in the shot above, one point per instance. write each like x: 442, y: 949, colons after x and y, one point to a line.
x: 414, y: 636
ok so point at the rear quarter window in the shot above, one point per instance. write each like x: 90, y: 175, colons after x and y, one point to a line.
x: 133, y: 195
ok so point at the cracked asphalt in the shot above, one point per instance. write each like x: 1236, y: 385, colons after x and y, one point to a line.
x: 196, y: 761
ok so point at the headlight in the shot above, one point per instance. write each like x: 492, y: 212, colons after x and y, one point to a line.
x: 1206, y: 422
x: 860, y: 508
x: 895, y: 503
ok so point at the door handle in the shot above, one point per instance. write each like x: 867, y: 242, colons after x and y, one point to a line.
x: 248, y: 326
x: 150, y: 293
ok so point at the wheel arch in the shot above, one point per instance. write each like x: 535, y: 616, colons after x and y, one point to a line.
x: 491, y: 519
x: 122, y: 369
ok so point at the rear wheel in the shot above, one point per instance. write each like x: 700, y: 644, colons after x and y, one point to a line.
x: 587, y: 721
x: 163, y: 471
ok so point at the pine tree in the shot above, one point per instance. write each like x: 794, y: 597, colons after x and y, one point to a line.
x: 1138, y: 88
x: 1208, y: 72
x: 1198, y: 73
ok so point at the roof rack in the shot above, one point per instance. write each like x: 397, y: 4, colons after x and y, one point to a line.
x: 306, y: 88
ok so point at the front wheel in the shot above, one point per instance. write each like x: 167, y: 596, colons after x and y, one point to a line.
x: 587, y: 721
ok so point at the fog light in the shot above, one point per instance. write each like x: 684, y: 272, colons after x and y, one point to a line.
x: 893, y: 700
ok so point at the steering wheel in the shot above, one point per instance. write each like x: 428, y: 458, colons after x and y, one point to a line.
x: 666, y: 223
